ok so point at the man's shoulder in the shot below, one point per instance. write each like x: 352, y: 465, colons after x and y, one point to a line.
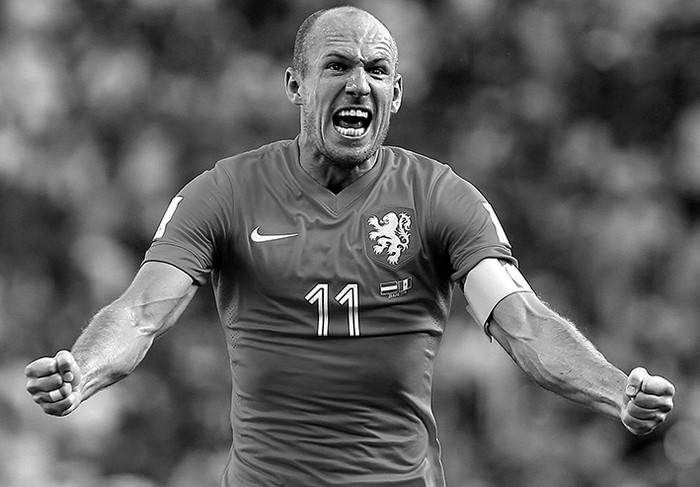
x: 426, y: 172
x: 409, y: 155
x: 246, y: 168
x: 279, y: 151
x: 415, y: 162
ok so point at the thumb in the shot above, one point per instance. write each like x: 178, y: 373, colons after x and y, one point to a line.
x: 67, y: 367
x: 634, y: 382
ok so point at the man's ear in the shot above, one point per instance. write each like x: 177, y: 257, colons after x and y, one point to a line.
x: 398, y: 94
x: 292, y: 86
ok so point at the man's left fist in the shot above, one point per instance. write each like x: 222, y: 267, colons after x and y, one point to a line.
x: 647, y: 400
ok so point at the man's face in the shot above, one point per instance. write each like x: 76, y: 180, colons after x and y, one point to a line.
x: 350, y: 89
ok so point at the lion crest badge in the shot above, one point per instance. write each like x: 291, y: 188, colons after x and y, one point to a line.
x: 389, y: 237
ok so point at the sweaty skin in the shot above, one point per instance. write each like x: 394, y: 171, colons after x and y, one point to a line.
x: 352, y: 66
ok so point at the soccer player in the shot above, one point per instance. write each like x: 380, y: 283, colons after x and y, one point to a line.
x: 333, y: 260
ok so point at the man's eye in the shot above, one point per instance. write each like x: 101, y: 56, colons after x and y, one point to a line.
x: 378, y: 71
x: 335, y: 67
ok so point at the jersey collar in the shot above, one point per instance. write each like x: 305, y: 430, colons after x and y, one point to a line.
x: 335, y: 203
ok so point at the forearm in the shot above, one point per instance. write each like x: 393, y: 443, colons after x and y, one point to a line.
x: 115, y: 341
x: 110, y: 348
x: 558, y: 357
x: 118, y: 337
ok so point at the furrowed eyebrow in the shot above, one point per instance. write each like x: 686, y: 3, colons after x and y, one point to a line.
x: 335, y: 55
x: 379, y: 60
x: 374, y: 61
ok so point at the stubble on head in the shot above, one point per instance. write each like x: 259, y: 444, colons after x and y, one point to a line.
x: 354, y: 37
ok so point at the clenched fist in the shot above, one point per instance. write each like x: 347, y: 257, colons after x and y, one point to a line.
x: 54, y: 383
x: 647, y: 401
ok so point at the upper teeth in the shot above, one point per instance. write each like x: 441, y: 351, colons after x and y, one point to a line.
x: 353, y: 113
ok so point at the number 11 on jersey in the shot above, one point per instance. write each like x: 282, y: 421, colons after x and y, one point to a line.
x: 349, y: 296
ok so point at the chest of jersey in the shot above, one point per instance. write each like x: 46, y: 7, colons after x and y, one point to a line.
x: 335, y: 267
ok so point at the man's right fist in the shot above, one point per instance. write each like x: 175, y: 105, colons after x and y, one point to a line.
x: 53, y: 383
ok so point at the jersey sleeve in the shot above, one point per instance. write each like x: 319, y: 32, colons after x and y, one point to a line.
x: 467, y: 225
x: 194, y: 225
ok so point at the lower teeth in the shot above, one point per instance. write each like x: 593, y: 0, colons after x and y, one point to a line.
x: 351, y: 132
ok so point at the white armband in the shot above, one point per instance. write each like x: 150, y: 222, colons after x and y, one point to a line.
x: 487, y: 284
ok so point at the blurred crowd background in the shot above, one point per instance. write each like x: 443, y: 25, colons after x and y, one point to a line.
x: 579, y: 120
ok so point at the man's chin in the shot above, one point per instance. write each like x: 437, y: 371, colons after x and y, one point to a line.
x: 348, y: 159
x: 349, y: 152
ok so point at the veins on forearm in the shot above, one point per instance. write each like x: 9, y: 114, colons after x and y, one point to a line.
x: 558, y: 357
x: 109, y: 348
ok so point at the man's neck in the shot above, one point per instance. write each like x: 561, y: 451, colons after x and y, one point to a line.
x: 331, y: 176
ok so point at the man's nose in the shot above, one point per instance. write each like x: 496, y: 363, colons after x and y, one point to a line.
x: 358, y: 85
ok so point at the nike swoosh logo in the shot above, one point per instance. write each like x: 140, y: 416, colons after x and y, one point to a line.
x: 255, y: 236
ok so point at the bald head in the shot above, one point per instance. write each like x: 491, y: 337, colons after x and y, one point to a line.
x: 313, y: 25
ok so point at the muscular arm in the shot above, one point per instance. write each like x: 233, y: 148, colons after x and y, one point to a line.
x: 115, y: 341
x: 118, y: 337
x: 556, y: 355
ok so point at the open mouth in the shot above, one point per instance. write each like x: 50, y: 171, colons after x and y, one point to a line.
x: 352, y: 122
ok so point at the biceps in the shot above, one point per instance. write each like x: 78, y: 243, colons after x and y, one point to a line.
x: 157, y: 296
x: 518, y: 316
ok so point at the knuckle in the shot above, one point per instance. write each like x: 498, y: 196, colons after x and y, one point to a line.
x: 48, y: 408
x: 54, y: 409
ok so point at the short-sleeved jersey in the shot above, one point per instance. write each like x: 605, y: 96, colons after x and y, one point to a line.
x: 333, y: 307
